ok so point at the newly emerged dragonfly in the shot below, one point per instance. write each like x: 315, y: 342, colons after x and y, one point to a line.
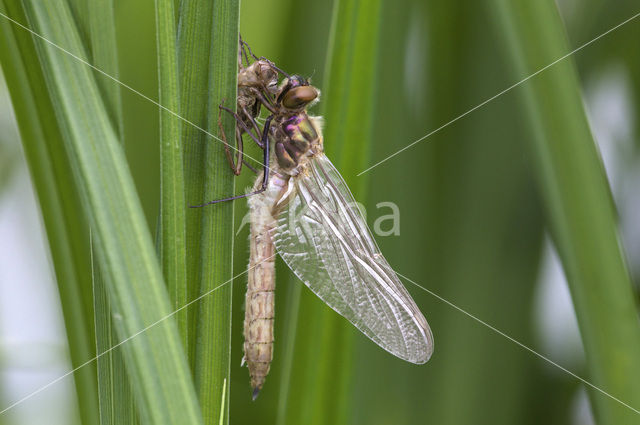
x: 301, y: 207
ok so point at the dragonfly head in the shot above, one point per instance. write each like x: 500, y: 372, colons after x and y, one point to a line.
x: 297, y: 93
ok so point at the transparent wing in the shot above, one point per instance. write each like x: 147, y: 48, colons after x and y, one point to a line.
x: 324, y: 239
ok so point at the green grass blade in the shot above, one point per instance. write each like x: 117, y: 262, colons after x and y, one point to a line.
x: 173, y: 206
x: 105, y: 57
x: 154, y: 358
x: 9, y: 152
x: 288, y: 357
x: 8, y: 161
x: 80, y: 12
x: 349, y: 86
x: 324, y: 370
x: 58, y: 198
x: 194, y: 43
x: 579, y: 204
x: 213, y: 349
x: 117, y: 405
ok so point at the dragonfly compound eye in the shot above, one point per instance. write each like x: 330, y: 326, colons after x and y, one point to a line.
x: 298, y: 97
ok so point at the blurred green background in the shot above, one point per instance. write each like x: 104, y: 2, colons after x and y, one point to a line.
x: 472, y: 223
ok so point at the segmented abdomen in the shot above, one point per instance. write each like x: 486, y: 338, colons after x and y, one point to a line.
x: 260, y: 299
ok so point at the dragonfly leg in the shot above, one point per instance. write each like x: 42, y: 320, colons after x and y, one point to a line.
x: 242, y: 52
x: 266, y: 102
x: 241, y: 123
x: 273, y: 65
x: 249, y: 166
x: 236, y: 165
x: 265, y: 170
x: 255, y: 126
x: 246, y: 46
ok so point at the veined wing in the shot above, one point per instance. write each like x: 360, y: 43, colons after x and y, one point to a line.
x: 324, y: 239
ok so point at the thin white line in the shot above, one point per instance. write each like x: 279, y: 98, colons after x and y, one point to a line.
x: 499, y: 332
x: 71, y: 372
x: 124, y: 85
x: 500, y: 94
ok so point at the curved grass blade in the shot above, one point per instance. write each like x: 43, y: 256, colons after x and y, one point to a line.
x: 117, y: 405
x: 104, y: 51
x: 579, y: 205
x: 154, y: 358
x: 58, y: 198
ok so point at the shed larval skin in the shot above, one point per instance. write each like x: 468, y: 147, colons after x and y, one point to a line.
x: 260, y: 298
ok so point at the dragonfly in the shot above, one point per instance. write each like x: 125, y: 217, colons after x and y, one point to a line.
x: 301, y: 208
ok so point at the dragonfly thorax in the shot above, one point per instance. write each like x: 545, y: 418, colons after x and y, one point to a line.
x: 295, y: 138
